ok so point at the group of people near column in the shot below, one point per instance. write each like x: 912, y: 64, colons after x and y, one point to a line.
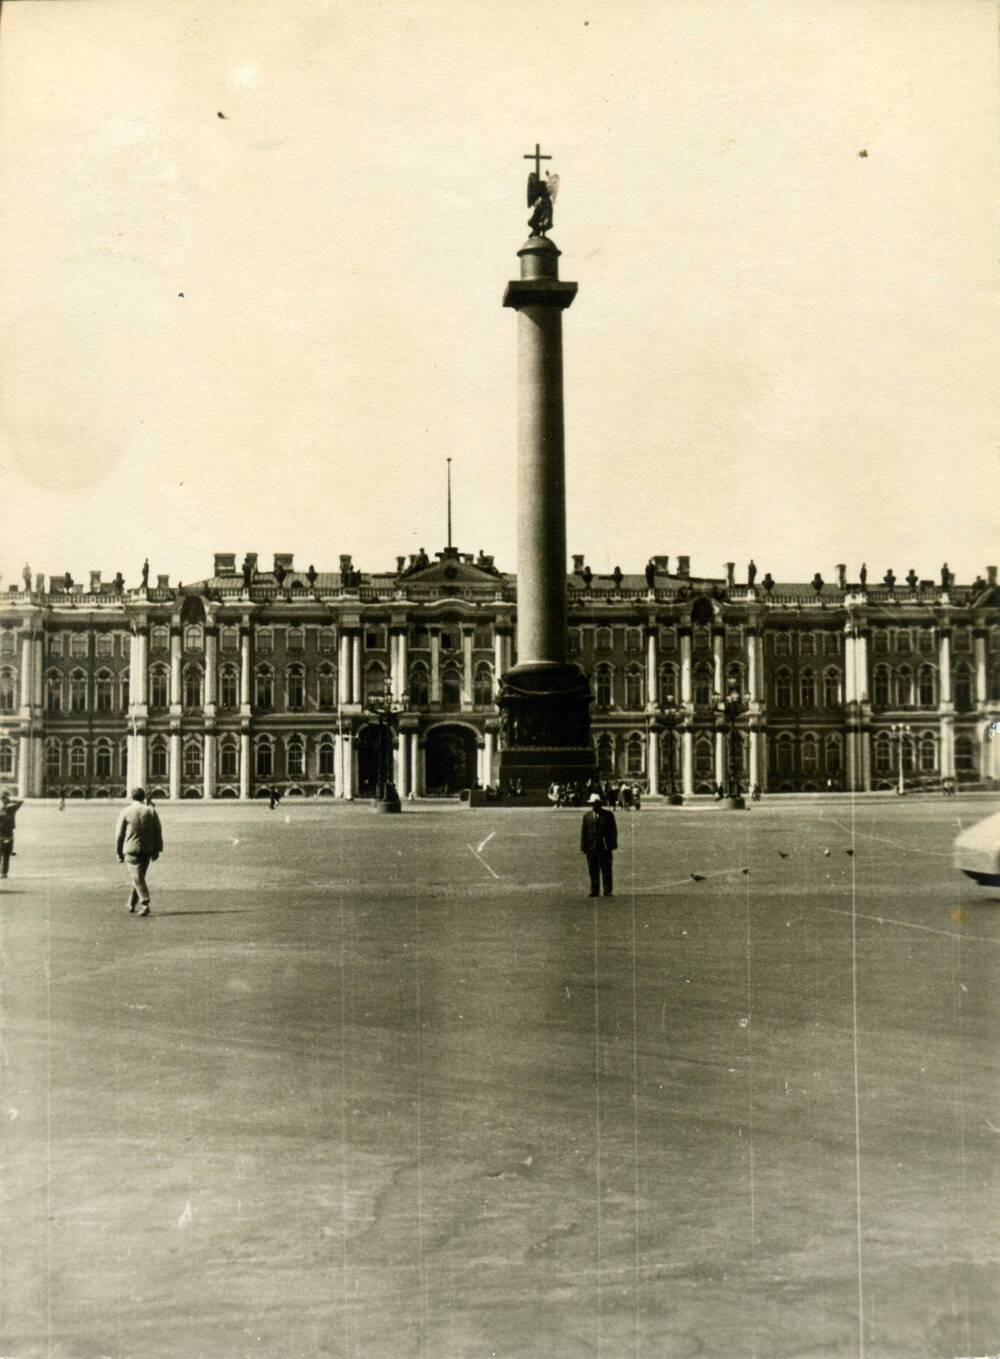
x: 627, y: 796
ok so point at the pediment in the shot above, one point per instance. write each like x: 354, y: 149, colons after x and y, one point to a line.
x: 450, y: 572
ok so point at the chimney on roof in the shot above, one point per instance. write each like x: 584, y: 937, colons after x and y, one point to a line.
x: 95, y: 582
x: 684, y: 566
x: 662, y: 565
x: 991, y: 575
x: 578, y: 560
x: 285, y: 559
x: 842, y: 575
x: 225, y: 564
x: 730, y: 574
x: 163, y: 582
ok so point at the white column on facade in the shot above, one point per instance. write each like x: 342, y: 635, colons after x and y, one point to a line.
x: 357, y: 694
x: 348, y: 757
x: 244, y: 765
x: 753, y: 758
x: 24, y: 765
x: 175, y: 668
x: 338, y: 765
x: 435, y: 665
x: 416, y: 772
x: 466, y: 667
x: 498, y: 660
x: 245, y: 695
x: 141, y: 759
x: 652, y: 672
x: 175, y: 764
x: 686, y: 665
x: 753, y: 649
x: 394, y: 664
x: 344, y: 667
x: 718, y: 656
x: 38, y: 672
x: 402, y: 765
x: 404, y: 665
x: 27, y: 672
x: 861, y: 668
x: 487, y: 758
x: 720, y: 758
x: 653, y: 761
x: 979, y: 642
x: 208, y: 767
x: 850, y: 667
x: 687, y: 762
x: 211, y: 666
x: 944, y: 668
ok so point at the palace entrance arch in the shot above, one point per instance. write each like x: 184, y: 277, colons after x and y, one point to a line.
x: 451, y: 762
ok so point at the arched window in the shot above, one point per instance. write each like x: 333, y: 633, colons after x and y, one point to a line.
x: 783, y: 689
x: 575, y: 638
x: 159, y: 760
x: 633, y: 687
x: 451, y: 687
x: 53, y: 692
x: 102, y: 760
x: 123, y: 681
x: 264, y: 688
x: 703, y: 687
x: 668, y: 685
x: 419, y: 687
x: 927, y: 689
x: 192, y: 765
x: 374, y: 683
x: 265, y: 759
x: 228, y: 760
x: 193, y: 638
x: 904, y: 685
x: 8, y: 691
x: 159, y: 687
x: 192, y: 687
x: 296, y: 758
x: 704, y: 758
x: 883, y: 754
x: 78, y: 760
x: 831, y: 688
x: 104, y: 691
x: 326, y: 758
x: 807, y: 689
x: 808, y: 754
x: 296, y: 688
x: 963, y: 688
x: 602, y: 639
x: 635, y: 753
x: 701, y: 638
x: 881, y: 688
x: 482, y: 694
x: 7, y: 757
x: 734, y: 677
x: 603, y: 686
x: 159, y: 639
x: 606, y: 754
x: 327, y: 687
x: 834, y: 754
x: 53, y: 760
x: 909, y: 753
x: 229, y: 687
x: 785, y: 755
x: 928, y: 753
x: 78, y: 692
x: 965, y: 756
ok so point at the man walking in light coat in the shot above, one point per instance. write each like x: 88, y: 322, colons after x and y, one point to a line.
x: 139, y: 842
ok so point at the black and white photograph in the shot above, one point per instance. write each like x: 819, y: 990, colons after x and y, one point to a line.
x: 499, y: 679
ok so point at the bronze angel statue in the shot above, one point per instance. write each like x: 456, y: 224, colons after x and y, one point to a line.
x: 541, y: 196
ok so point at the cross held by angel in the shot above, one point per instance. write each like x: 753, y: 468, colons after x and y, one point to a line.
x: 541, y: 194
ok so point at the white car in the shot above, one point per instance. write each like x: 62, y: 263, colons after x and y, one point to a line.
x: 976, y: 852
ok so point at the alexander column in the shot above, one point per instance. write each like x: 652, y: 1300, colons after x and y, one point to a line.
x: 545, y: 701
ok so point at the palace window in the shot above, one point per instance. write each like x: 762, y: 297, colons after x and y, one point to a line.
x: 296, y: 639
x: 965, y: 759
x: 264, y: 640
x: 104, y: 689
x: 633, y: 687
x: 633, y: 639
x: 734, y: 638
x: 449, y: 640
x: 908, y: 754
x: 926, y: 637
x: 961, y: 640
x: 606, y: 754
x: 880, y: 641
x: 483, y: 637
x: 831, y: 688
x: 78, y: 692
x: 192, y: 765
x: 123, y: 680
x: 53, y: 692
x: 834, y: 755
x: 806, y: 644
x: 326, y: 758
x: 782, y: 644
x: 927, y: 689
x: 704, y: 759
x: 296, y: 758
x: 668, y: 639
x: 783, y: 689
x: 102, y: 760
x: 575, y: 640
x: 192, y: 691
x: 78, y: 760
x: 78, y: 646
x: 881, y: 697
x: 483, y: 688
x: 903, y: 641
x: 703, y: 687
x: 375, y: 639
x: 296, y: 688
x: 808, y: 755
x: 264, y: 689
x: 7, y: 757
x: 327, y: 639
x: 374, y: 683
x: 832, y: 645
x: 702, y: 639
x: 55, y: 643
x: 602, y: 639
x: 229, y: 687
x: 928, y: 753
x: 421, y: 639
x: 8, y: 644
x: 734, y: 677
x: 904, y: 687
x: 194, y: 637
x: 159, y: 760
x: 228, y: 761
x: 53, y: 760
x: 963, y: 688
x: 265, y: 759
x: 419, y: 687
x: 635, y: 754
x: 159, y: 639
x: 327, y: 687
x: 105, y: 644
x: 8, y: 691
x: 784, y: 755
x: 229, y: 639
x: 451, y: 687
x: 883, y: 754
x: 159, y: 687
x: 668, y: 685
x: 604, y: 678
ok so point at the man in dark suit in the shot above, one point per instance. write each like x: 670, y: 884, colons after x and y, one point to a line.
x: 598, y: 840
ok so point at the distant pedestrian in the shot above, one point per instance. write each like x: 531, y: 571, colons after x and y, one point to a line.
x: 755, y: 795
x: 272, y: 799
x: 598, y: 841
x: 9, y: 808
x: 138, y: 842
x: 62, y: 799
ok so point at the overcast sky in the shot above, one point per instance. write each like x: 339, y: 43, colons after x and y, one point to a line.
x: 267, y: 331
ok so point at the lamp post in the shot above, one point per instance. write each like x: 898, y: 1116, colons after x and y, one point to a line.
x: 668, y: 720
x: 385, y: 709
x: 900, y: 732
x: 728, y: 710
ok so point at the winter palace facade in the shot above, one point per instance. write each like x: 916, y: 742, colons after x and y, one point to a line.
x: 272, y: 677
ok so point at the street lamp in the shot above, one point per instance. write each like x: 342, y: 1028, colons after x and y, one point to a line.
x: 385, y: 709
x: 669, y: 719
x: 899, y: 732
x: 728, y: 710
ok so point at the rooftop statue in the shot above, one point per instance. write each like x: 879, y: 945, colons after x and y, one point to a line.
x: 541, y: 194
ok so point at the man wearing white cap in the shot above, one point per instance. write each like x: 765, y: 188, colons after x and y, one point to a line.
x: 598, y: 840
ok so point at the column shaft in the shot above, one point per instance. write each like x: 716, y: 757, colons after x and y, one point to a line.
x: 244, y: 765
